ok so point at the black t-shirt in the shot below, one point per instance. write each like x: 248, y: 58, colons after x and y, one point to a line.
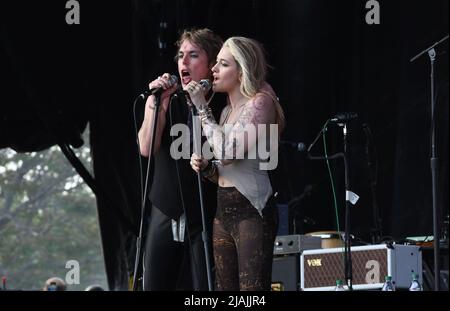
x: 168, y: 190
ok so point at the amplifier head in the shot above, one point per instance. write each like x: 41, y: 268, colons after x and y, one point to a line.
x: 293, y: 244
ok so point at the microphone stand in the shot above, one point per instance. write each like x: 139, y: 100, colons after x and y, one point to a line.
x: 138, y: 258
x: 293, y: 204
x: 434, y: 161
x: 196, y: 127
x: 376, y: 233
x: 347, y: 241
x: 322, y: 130
x: 348, y: 270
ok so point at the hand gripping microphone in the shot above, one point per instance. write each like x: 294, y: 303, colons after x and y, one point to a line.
x: 204, y: 83
x: 172, y: 81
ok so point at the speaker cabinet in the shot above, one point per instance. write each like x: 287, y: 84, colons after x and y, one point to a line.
x: 321, y: 268
x: 285, y: 273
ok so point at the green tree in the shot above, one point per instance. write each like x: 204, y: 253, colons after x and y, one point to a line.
x: 48, y: 216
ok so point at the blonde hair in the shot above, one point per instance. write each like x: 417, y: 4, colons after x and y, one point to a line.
x: 251, y: 60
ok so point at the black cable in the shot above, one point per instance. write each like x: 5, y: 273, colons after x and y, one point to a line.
x: 177, y: 169
x: 142, y: 226
x: 138, y: 147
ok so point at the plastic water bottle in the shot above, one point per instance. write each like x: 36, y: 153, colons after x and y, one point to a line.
x: 339, y: 286
x: 388, y: 286
x: 415, y: 285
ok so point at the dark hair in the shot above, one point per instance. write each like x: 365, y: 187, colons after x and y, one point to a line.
x: 54, y: 284
x: 205, y: 39
x: 94, y: 288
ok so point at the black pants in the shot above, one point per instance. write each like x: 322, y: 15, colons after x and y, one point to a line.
x: 170, y: 265
x: 243, y: 242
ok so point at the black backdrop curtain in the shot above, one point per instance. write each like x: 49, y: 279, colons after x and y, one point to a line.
x: 325, y: 59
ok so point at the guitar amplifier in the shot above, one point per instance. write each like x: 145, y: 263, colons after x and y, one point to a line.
x: 293, y: 244
x: 370, y: 264
x: 286, y: 260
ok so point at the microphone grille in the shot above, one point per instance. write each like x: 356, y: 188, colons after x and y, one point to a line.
x: 173, y: 80
x: 301, y: 147
x: 206, y: 85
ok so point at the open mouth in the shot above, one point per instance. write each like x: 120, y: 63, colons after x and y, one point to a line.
x: 185, y: 76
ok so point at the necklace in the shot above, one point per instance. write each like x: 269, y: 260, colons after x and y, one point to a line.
x: 231, y: 110
x: 209, y: 100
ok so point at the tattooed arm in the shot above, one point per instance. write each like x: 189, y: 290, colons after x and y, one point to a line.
x: 239, y: 140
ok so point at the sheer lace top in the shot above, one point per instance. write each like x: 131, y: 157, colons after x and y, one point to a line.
x: 237, y: 146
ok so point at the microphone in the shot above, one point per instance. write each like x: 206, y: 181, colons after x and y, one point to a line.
x: 206, y: 85
x: 297, y: 146
x: 344, y: 117
x: 172, y: 81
